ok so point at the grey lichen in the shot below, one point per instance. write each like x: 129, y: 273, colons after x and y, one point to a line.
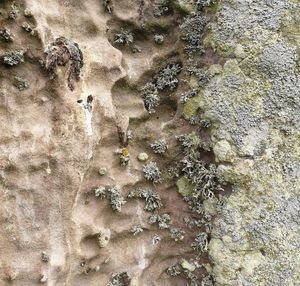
x: 192, y: 30
x: 124, y: 37
x: 159, y: 146
x: 27, y: 13
x: 113, y: 194
x: 156, y: 239
x: 161, y: 7
x: 20, y: 83
x: 13, y: 58
x: 205, y: 178
x: 61, y: 52
x: 177, y: 234
x: 158, y: 39
x: 6, y: 35
x: 278, y: 59
x: 152, y: 198
x: 152, y: 172
x: 200, y: 243
x: 150, y: 97
x: 28, y: 27
x: 200, y: 4
x: 174, y: 270
x: 119, y: 279
x: 107, y: 4
x: 189, y: 94
x: 167, y: 77
x: 45, y: 257
x: 13, y: 14
x: 136, y: 229
x: 163, y: 220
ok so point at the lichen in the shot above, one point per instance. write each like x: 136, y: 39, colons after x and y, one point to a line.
x: 161, y: 7
x: 13, y: 58
x: 113, y: 194
x: 136, y: 229
x: 150, y: 97
x: 152, y: 172
x: 152, y: 198
x: 107, y: 4
x: 177, y: 234
x: 20, y: 83
x: 158, y: 39
x: 61, y: 52
x: 159, y: 146
x: 7, y: 35
x: 163, y: 220
x: 124, y: 37
x: 192, y: 30
x: 28, y: 27
x: 119, y: 279
x: 167, y: 77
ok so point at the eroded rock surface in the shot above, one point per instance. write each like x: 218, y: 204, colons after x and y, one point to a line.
x: 149, y: 142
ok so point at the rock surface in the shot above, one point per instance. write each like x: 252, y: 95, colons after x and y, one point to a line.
x: 217, y: 80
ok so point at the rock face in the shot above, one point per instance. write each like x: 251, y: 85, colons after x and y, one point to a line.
x: 149, y: 142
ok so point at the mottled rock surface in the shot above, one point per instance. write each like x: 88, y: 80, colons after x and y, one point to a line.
x: 206, y: 93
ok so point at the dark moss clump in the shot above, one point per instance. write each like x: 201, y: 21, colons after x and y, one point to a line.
x: 61, y: 52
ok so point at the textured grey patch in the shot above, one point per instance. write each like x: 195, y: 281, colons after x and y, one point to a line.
x: 278, y: 59
x: 238, y: 19
x: 282, y: 102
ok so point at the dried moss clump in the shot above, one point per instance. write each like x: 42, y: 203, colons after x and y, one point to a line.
x: 61, y: 52
x: 13, y: 58
x: 120, y: 279
x: 152, y: 172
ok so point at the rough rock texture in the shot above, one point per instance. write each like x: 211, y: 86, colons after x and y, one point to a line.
x: 78, y: 204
